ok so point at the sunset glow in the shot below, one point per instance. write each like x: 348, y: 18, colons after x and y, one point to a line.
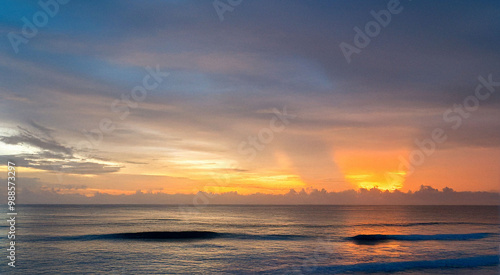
x: 372, y: 169
x: 250, y: 137
x: 180, y: 110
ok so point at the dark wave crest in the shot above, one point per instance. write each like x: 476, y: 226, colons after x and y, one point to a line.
x: 178, y: 236
x: 377, y: 238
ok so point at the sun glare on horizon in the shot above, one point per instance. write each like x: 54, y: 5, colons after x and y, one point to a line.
x: 372, y: 169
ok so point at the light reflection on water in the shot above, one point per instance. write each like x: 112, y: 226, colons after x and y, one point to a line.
x: 281, y: 239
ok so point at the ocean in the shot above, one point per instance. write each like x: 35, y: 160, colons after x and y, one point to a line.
x: 216, y: 239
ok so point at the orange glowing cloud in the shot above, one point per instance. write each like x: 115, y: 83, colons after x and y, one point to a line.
x: 369, y: 169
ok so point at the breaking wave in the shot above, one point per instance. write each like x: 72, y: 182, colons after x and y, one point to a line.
x: 179, y: 236
x: 377, y: 238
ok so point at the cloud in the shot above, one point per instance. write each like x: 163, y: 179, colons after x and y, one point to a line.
x: 426, y: 195
x: 28, y: 138
x: 50, y: 155
x: 224, y: 74
x: 46, y: 131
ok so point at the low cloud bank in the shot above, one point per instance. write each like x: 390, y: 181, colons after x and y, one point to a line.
x: 426, y: 195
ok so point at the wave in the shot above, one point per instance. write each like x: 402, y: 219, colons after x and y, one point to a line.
x: 468, y: 262
x: 178, y: 236
x: 377, y: 238
x: 300, y: 225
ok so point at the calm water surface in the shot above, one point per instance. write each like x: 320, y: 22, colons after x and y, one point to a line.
x: 255, y: 239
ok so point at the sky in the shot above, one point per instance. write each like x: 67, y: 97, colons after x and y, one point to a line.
x: 177, y: 97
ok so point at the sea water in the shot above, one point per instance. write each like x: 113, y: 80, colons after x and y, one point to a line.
x: 212, y: 239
